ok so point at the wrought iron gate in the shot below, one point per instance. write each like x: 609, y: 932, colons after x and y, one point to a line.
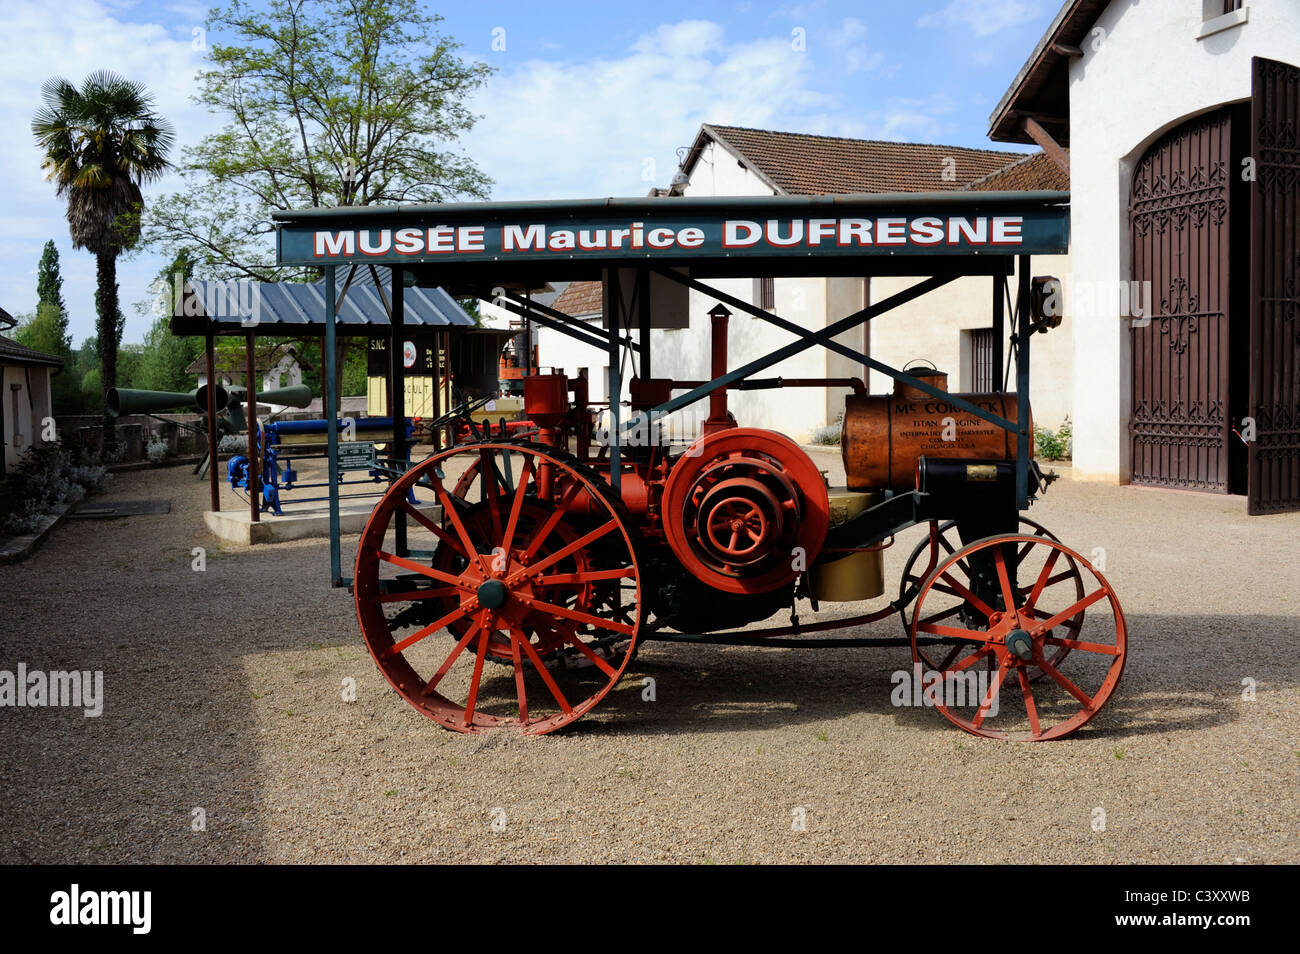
x: 1275, y: 288
x: 1179, y: 228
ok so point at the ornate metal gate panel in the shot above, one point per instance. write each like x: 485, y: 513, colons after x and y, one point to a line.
x: 1275, y: 289
x: 1179, y: 229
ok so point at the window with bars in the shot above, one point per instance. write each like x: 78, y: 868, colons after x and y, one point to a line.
x: 765, y: 293
x: 981, y: 353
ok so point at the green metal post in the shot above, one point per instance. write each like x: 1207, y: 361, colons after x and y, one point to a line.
x: 332, y: 426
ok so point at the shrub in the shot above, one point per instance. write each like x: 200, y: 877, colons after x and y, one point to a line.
x: 156, y: 450
x: 232, y: 444
x: 45, y: 480
x: 1054, y: 445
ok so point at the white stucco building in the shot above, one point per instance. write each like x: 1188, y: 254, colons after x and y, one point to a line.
x: 26, y: 409
x: 1184, y: 167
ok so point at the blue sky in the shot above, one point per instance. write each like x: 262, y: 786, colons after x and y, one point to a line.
x: 589, y: 99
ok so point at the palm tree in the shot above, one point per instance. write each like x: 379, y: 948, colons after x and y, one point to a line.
x: 101, y: 143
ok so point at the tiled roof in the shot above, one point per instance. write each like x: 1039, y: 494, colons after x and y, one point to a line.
x: 800, y: 164
x: 580, y: 299
x: 1036, y: 172
x: 11, y: 353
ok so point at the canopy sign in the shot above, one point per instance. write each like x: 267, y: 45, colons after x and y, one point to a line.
x: 404, y: 239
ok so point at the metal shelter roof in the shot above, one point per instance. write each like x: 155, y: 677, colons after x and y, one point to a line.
x: 298, y: 308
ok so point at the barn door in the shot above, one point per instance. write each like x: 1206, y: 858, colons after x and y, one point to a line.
x: 1179, y: 230
x: 1274, y: 484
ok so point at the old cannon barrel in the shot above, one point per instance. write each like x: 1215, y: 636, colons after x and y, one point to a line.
x: 132, y: 401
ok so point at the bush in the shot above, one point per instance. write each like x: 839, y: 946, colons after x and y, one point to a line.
x: 1055, y: 445
x: 829, y: 435
x: 232, y: 444
x: 156, y: 450
x: 46, y: 480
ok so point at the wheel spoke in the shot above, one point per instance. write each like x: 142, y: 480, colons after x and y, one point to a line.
x: 1065, y: 683
x: 579, y: 617
x: 1041, y: 582
x: 433, y: 528
x: 943, y: 614
x: 515, y: 637
x: 971, y: 660
x: 561, y: 507
x: 994, y: 688
x: 453, y: 656
x: 585, y: 576
x: 596, y: 660
x: 1031, y: 708
x: 449, y: 509
x: 433, y: 627
x: 546, y: 677
x: 488, y: 477
x: 485, y: 634
x: 516, y: 506
x: 560, y: 554
x: 420, y: 568
x: 1082, y: 646
x: 967, y: 595
x: 1071, y: 611
x: 1004, y: 578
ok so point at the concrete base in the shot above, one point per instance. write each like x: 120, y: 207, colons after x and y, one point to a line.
x: 237, y: 526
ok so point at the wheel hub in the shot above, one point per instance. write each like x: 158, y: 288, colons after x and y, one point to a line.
x: 492, y: 594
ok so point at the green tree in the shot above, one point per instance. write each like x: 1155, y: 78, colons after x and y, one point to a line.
x: 166, y: 358
x: 328, y: 103
x: 49, y: 282
x: 100, y: 143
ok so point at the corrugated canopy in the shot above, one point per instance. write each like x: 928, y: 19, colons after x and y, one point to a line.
x: 298, y: 308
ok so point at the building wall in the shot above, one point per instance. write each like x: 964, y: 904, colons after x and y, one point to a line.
x: 1151, y: 48
x: 24, y: 410
x: 936, y: 328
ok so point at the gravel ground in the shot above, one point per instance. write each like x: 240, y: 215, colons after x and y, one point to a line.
x: 223, y: 692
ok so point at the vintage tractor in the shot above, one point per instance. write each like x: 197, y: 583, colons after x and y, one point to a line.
x: 545, y: 564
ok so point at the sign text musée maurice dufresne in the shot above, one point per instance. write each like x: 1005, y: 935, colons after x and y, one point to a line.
x: 1026, y: 232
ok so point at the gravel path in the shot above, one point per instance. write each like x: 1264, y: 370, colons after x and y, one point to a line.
x: 223, y: 692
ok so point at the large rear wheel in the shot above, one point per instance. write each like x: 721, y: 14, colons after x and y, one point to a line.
x: 532, y: 564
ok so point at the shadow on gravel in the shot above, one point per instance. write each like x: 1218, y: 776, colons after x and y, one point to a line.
x: 1183, y: 673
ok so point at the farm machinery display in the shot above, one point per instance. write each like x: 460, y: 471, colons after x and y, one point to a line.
x: 563, y: 546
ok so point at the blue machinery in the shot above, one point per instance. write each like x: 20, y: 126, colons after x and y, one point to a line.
x: 275, y: 445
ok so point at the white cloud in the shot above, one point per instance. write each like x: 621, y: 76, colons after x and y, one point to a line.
x: 554, y: 129
x: 984, y: 17
x: 85, y: 35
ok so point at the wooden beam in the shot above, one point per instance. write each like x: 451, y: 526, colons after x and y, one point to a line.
x: 1038, y: 134
x: 1066, y: 49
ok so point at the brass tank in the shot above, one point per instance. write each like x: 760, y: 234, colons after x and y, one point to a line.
x: 858, y: 576
x: 883, y: 436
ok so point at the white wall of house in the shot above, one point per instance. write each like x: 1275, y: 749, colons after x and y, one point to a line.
x: 1151, y: 58
x: 937, y: 328
x: 25, y: 410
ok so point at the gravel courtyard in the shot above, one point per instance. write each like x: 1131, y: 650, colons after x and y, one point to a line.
x: 223, y: 693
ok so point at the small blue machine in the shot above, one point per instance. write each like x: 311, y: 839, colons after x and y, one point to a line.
x: 276, y: 440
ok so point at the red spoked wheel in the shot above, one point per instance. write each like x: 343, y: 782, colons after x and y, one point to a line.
x: 942, y: 540
x: 532, y: 565
x: 1009, y: 604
